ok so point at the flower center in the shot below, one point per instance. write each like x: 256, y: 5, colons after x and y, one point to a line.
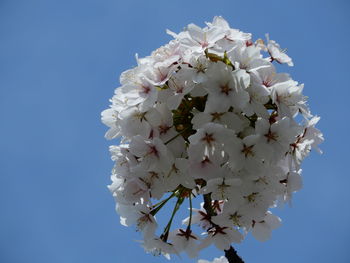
x: 225, y: 89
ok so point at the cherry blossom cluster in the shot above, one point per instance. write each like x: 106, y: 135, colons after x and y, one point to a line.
x: 208, y: 117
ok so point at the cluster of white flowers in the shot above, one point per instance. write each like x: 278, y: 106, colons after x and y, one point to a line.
x: 208, y: 115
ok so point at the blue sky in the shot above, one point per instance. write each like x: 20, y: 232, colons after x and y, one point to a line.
x: 59, y: 64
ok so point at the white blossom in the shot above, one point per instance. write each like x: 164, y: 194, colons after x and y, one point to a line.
x: 221, y: 237
x: 277, y: 53
x: 221, y: 259
x: 226, y: 88
x: 262, y: 229
x: 185, y: 240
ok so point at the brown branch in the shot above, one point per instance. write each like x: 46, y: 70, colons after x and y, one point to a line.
x: 232, y: 256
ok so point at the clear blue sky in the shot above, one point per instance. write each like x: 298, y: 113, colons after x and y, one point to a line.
x: 59, y: 64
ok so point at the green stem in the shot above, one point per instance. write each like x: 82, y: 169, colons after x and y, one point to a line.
x: 161, y: 204
x: 167, y: 228
x: 177, y: 135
